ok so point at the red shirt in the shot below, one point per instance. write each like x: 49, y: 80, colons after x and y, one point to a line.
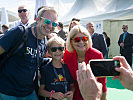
x: 70, y: 58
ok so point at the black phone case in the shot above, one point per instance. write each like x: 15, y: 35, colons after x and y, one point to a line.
x: 104, y: 68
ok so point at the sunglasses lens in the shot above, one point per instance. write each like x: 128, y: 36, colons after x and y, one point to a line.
x: 84, y: 39
x: 54, y: 24
x: 61, y: 48
x: 19, y: 11
x: 77, y: 39
x: 47, y: 21
x: 123, y: 28
x: 24, y: 10
x: 53, y: 49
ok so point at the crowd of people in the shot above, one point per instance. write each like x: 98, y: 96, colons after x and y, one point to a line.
x: 67, y: 74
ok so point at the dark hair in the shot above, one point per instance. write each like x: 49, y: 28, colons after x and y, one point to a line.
x: 75, y: 19
x: 60, y: 24
x: 105, y: 34
x: 40, y: 8
x: 5, y: 26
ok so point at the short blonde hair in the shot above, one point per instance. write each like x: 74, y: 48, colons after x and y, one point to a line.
x: 56, y: 39
x: 45, y: 8
x: 77, y: 29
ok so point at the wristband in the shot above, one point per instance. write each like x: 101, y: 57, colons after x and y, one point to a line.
x: 51, y: 93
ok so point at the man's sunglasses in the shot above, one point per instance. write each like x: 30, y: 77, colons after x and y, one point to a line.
x: 78, y: 39
x: 123, y: 28
x: 47, y: 22
x: 54, y: 49
x: 24, y: 10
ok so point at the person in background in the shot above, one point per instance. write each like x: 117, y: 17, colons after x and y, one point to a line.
x: 126, y: 44
x: 79, y: 49
x: 56, y: 80
x: 5, y: 28
x: 1, y: 34
x: 88, y: 84
x: 61, y: 32
x: 98, y: 39
x: 107, y: 39
x: 18, y: 74
x: 76, y: 19
x: 24, y: 16
x: 72, y: 24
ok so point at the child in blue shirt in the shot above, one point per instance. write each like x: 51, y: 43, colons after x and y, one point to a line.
x: 56, y: 81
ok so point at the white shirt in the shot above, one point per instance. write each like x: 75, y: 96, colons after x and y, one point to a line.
x: 16, y: 23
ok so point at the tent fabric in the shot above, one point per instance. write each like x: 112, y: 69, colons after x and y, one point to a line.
x: 38, y: 4
x: 109, y: 16
x: 98, y: 10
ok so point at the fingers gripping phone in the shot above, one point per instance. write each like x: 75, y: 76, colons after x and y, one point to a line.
x: 104, y: 67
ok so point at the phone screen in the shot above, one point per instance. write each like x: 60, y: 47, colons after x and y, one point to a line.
x: 104, y: 68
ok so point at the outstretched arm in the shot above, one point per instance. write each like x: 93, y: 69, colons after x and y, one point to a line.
x: 88, y: 85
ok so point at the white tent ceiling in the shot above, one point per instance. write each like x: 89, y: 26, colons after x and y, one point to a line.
x: 95, y: 10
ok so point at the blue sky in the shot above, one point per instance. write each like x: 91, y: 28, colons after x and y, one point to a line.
x: 12, y: 5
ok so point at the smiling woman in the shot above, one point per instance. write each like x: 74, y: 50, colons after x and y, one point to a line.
x: 79, y: 49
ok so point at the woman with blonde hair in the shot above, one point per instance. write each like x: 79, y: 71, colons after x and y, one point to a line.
x: 79, y: 49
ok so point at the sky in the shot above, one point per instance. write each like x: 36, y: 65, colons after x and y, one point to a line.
x: 12, y: 5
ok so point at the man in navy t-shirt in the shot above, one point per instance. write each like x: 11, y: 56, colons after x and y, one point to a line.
x: 17, y: 74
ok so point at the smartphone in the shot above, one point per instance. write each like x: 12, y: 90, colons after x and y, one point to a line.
x: 104, y: 67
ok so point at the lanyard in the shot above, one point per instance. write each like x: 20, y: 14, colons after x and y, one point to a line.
x: 37, y: 47
x: 124, y: 35
x: 65, y: 84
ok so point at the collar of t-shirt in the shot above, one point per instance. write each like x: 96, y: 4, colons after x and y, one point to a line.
x: 24, y: 24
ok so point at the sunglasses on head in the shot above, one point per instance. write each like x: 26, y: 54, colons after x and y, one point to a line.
x: 47, y: 22
x: 78, y: 39
x: 54, y: 49
x: 24, y: 10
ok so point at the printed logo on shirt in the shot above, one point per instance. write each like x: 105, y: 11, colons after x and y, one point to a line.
x: 31, y: 51
x: 60, y: 81
x: 61, y: 78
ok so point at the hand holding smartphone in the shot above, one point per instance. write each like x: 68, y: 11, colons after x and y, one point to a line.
x: 104, y: 67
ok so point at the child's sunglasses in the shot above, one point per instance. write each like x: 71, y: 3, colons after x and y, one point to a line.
x: 54, y: 49
x: 78, y: 39
x: 47, y: 22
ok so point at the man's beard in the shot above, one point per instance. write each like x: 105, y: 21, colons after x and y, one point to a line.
x: 50, y: 31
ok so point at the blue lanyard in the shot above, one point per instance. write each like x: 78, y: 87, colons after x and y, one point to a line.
x: 37, y: 47
x: 43, y: 41
x: 35, y: 30
x: 124, y: 35
x: 65, y: 84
